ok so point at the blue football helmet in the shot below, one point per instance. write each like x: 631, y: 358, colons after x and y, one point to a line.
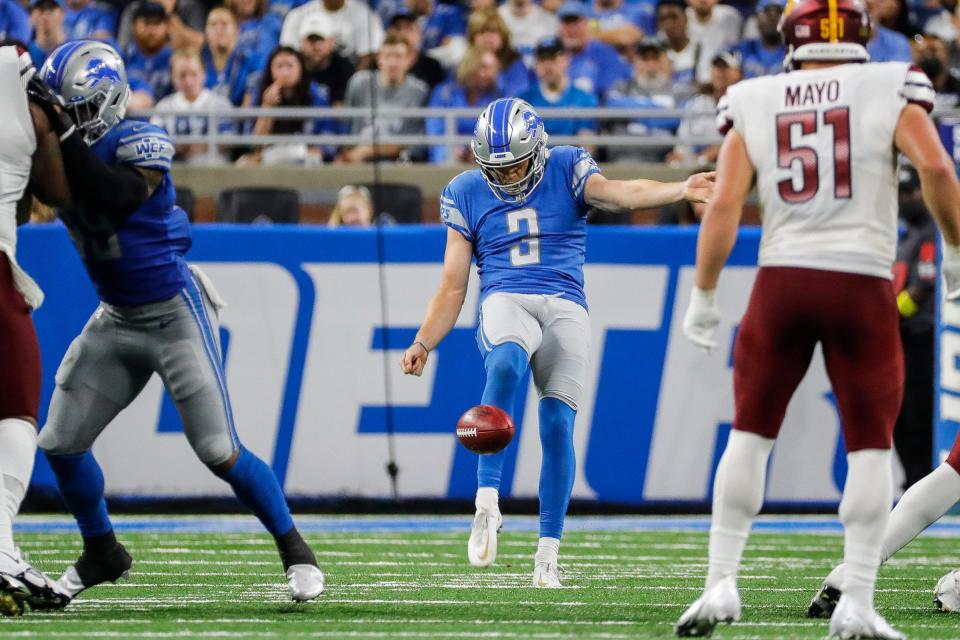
x: 90, y: 78
x: 510, y: 132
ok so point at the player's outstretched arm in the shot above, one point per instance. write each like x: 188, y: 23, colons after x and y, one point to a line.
x: 48, y: 178
x: 445, y: 305
x: 718, y: 229
x: 917, y: 138
x: 631, y: 195
x: 718, y: 232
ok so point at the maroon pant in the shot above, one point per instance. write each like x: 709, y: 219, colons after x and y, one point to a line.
x: 19, y: 352
x: 853, y: 317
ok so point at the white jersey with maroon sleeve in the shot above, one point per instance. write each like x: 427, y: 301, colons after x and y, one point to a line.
x: 19, y: 143
x: 821, y: 142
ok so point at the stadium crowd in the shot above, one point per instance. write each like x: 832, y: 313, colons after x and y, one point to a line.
x: 192, y: 55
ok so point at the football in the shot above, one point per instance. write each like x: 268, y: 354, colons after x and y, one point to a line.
x: 485, y: 429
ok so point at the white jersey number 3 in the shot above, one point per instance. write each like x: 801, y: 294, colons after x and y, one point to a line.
x: 527, y: 251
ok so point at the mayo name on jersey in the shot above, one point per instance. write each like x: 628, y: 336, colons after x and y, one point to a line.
x: 537, y: 246
x: 822, y: 143
x: 142, y: 260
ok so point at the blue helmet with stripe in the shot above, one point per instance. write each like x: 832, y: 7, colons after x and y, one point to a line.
x: 508, y: 134
x: 90, y: 78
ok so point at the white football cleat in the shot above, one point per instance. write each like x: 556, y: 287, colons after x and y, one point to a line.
x: 849, y: 621
x: 482, y: 546
x: 546, y: 575
x: 27, y: 586
x: 720, y: 604
x: 305, y: 581
x: 946, y: 595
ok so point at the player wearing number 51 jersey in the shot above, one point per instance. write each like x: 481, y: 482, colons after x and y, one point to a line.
x: 823, y: 141
x: 522, y: 215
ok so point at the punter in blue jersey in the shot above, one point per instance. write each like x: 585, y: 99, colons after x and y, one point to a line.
x: 522, y: 215
x: 157, y: 315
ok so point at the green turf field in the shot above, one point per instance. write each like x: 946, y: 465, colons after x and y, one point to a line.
x: 620, y: 583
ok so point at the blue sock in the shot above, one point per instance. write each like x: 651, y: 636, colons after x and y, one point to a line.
x: 559, y: 466
x: 81, y: 485
x: 505, y: 364
x: 256, y: 486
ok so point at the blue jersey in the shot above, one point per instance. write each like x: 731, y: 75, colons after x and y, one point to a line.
x: 537, y: 246
x: 151, y: 71
x: 759, y: 60
x: 570, y: 98
x: 93, y: 18
x: 14, y: 22
x: 142, y: 261
x: 889, y: 46
x: 445, y: 21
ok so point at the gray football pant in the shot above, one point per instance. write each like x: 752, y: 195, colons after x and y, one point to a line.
x: 118, y: 351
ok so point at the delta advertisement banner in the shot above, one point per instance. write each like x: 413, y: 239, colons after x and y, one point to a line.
x: 317, y: 320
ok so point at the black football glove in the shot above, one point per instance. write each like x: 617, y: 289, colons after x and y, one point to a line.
x: 44, y: 97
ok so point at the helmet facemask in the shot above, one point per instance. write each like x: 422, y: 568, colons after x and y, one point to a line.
x: 517, y: 191
x: 99, y: 114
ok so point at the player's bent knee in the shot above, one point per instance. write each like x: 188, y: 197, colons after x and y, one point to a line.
x: 54, y: 441
x: 506, y: 363
x: 216, y: 453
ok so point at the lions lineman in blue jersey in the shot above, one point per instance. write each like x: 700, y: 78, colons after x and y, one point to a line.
x: 522, y: 215
x: 157, y: 315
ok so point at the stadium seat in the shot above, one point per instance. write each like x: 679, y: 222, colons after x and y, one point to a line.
x: 185, y: 200
x: 258, y: 205
x: 403, y: 203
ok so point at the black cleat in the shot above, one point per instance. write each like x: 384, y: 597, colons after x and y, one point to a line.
x: 824, y: 602
x: 96, y: 567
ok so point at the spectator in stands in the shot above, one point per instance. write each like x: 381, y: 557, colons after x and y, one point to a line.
x: 594, y: 65
x: 651, y: 87
x: 46, y: 17
x: 725, y: 70
x: 528, y: 22
x: 684, y: 54
x: 231, y: 72
x: 284, y: 84
x: 14, y: 21
x: 259, y: 27
x: 281, y: 8
x: 185, y: 22
x: 554, y: 90
x: 487, y: 31
x: 764, y: 55
x: 440, y: 22
x: 389, y: 87
x: 935, y: 18
x: 623, y: 25
x: 325, y: 66
x: 404, y: 24
x: 354, y: 208
x: 358, y: 30
x: 933, y: 57
x: 186, y: 69
x: 87, y: 20
x: 886, y: 45
x: 148, y: 57
x: 714, y: 27
x: 475, y: 86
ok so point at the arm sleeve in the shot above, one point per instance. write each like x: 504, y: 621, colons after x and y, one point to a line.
x: 113, y: 190
x: 917, y: 89
x: 452, y: 213
x: 582, y: 166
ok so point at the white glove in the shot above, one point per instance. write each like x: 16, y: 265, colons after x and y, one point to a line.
x: 950, y: 268
x: 703, y: 317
